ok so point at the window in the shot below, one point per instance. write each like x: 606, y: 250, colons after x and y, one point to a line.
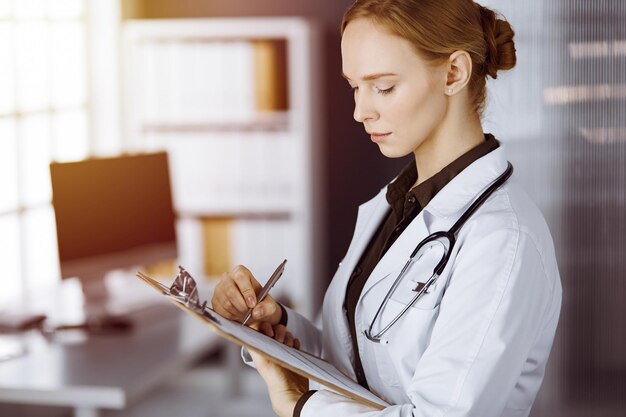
x: 44, y: 117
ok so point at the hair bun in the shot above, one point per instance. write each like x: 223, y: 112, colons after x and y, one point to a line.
x: 498, y: 33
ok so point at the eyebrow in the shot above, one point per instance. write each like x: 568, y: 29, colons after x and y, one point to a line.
x: 371, y: 77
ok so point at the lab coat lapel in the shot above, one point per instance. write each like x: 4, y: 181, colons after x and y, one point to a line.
x: 441, y: 212
x: 369, y: 217
x: 399, y: 252
x: 338, y: 343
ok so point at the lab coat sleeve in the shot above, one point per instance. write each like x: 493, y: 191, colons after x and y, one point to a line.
x: 303, y: 329
x: 497, y: 304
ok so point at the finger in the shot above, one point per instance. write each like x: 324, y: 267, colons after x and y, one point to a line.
x: 219, y: 300
x: 234, y: 297
x: 265, y: 309
x: 217, y: 303
x: 233, y: 313
x: 217, y: 293
x: 280, y: 332
x: 266, y: 329
x: 224, y: 313
x: 260, y: 361
x: 288, y: 339
x: 296, y: 343
x: 246, y: 283
x: 217, y: 306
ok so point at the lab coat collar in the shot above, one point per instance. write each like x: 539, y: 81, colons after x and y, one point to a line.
x: 465, y: 187
x: 369, y: 217
x: 448, y: 204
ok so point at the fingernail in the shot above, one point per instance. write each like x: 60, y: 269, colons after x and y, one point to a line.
x: 258, y: 313
x: 250, y: 301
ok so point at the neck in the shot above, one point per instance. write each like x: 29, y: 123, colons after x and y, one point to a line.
x: 446, y: 144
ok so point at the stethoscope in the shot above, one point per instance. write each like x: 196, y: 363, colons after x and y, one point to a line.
x: 439, y: 238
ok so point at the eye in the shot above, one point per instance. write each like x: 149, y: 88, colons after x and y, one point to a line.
x: 384, y: 91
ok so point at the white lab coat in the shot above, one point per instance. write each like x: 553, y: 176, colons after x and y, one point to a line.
x: 475, y: 345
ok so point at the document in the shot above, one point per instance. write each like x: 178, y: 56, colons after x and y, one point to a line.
x: 293, y: 359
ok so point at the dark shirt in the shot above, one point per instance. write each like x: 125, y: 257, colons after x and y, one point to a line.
x: 404, y: 205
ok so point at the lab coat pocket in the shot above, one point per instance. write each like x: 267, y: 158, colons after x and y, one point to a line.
x: 416, y: 277
x: 405, y: 292
x: 404, y: 343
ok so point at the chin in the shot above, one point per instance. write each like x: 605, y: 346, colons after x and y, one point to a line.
x: 393, y: 152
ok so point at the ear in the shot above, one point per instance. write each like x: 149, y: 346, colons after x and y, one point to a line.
x: 459, y: 72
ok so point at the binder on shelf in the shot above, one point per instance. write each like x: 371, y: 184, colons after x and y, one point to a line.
x: 184, y: 294
x: 237, y: 173
x: 241, y: 127
x: 195, y: 83
x: 252, y: 240
x: 217, y: 242
x: 270, y: 72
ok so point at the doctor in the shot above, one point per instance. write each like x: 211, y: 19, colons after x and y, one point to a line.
x: 466, y: 327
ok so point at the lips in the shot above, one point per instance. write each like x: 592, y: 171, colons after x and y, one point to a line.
x: 378, y: 137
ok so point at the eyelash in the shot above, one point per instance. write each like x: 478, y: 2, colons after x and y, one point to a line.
x: 378, y: 90
x: 384, y: 92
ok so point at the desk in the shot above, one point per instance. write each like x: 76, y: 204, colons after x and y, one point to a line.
x: 108, y: 371
x: 103, y: 371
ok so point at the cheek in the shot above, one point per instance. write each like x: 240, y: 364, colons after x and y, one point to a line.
x: 413, y: 115
x: 418, y: 112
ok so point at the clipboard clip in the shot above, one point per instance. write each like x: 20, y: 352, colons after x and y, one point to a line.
x: 185, y: 291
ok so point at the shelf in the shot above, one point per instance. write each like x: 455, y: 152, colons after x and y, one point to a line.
x: 235, y: 103
x: 239, y: 215
x: 272, y: 121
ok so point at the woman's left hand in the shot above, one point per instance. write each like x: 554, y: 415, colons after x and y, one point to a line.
x: 284, y: 387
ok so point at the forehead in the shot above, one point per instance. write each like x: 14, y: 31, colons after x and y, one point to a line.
x: 367, y: 48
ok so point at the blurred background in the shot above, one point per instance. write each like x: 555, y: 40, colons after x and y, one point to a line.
x: 264, y: 162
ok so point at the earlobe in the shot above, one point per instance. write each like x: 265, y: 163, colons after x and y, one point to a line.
x: 459, y: 73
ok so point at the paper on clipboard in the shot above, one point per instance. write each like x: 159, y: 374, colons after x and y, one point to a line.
x: 298, y: 361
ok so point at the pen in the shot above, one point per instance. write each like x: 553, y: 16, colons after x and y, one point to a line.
x: 266, y: 289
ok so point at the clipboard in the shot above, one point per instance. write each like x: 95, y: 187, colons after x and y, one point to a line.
x: 184, y: 294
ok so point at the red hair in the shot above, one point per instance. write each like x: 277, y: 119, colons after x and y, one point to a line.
x: 438, y: 28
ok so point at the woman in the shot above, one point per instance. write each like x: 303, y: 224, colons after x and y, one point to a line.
x: 476, y: 342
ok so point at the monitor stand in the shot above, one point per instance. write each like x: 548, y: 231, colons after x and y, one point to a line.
x: 97, y: 317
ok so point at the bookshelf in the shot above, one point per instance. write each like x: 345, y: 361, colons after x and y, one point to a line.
x: 234, y: 102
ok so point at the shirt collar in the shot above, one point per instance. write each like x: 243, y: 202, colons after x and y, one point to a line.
x: 400, y: 189
x: 465, y: 187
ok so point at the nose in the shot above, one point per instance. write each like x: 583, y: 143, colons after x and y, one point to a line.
x: 363, y: 108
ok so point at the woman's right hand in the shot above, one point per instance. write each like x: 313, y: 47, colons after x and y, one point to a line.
x: 235, y: 294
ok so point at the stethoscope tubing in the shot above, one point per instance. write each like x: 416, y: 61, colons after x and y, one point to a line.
x: 449, y: 235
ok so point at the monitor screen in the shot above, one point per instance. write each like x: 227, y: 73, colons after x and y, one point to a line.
x: 112, y: 213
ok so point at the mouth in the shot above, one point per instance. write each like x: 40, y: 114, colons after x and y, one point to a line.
x: 379, y: 137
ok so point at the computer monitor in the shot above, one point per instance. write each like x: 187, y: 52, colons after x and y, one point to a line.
x: 112, y: 213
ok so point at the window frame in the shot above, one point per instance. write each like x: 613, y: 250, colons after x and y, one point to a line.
x: 99, y: 22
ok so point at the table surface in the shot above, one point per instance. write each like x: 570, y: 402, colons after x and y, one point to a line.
x: 104, y: 371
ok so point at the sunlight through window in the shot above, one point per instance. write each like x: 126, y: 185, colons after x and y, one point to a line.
x: 44, y: 116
